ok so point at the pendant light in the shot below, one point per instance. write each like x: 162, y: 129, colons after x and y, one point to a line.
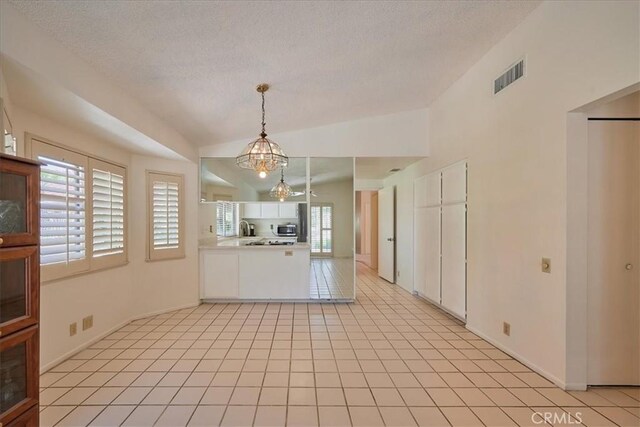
x: 281, y: 190
x: 262, y: 155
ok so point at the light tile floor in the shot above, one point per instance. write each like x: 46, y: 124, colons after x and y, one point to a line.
x: 389, y: 359
x: 331, y: 278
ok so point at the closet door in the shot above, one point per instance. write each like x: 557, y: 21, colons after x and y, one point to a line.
x: 454, y: 259
x: 420, y: 251
x: 432, y: 255
x: 454, y: 184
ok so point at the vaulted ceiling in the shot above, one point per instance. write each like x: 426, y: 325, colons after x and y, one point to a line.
x: 195, y: 64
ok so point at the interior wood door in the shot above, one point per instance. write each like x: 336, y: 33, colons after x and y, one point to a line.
x: 454, y: 254
x: 613, y: 297
x: 386, y: 234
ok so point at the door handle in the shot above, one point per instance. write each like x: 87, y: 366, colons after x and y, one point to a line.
x: 628, y: 267
x: 390, y: 239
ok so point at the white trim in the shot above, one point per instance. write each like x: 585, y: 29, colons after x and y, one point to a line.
x: 557, y: 381
x: 97, y: 338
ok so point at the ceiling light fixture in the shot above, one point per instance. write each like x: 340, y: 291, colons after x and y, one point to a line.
x: 262, y: 155
x: 281, y: 190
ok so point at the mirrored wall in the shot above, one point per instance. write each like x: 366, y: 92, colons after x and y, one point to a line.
x: 238, y: 208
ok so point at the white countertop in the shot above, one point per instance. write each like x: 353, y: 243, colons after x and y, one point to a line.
x: 242, y: 243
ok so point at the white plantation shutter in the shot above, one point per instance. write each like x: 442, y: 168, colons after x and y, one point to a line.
x: 82, y: 212
x: 108, y: 212
x: 166, y: 237
x: 63, y: 211
x: 227, y: 219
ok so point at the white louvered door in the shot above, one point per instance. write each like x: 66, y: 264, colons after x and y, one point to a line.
x: 63, y: 211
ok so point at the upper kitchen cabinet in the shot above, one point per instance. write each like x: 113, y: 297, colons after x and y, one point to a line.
x: 287, y: 210
x: 269, y: 210
x: 19, y: 201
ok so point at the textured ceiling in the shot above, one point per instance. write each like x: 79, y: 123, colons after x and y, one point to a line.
x: 195, y: 64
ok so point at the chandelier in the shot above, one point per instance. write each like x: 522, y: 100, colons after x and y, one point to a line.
x: 281, y: 190
x: 262, y: 155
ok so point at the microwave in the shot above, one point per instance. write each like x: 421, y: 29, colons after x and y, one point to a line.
x: 287, y: 230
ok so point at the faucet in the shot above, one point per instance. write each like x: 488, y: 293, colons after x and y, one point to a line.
x: 243, y: 231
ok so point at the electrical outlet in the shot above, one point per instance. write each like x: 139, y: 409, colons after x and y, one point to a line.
x: 271, y: 225
x: 506, y: 329
x: 545, y: 265
x: 73, y: 329
x: 398, y: 273
x: 87, y: 322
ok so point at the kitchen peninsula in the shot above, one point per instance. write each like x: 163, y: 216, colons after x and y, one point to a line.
x: 251, y: 268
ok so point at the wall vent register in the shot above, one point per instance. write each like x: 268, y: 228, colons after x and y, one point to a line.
x: 509, y: 76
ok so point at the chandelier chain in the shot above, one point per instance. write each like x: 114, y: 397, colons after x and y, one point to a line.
x: 263, y: 134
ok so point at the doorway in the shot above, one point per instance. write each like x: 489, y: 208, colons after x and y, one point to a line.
x: 322, y: 229
x: 613, y: 249
x: 367, y: 228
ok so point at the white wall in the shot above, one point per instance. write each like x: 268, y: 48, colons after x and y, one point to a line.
x: 163, y: 285
x: 516, y: 146
x: 114, y: 296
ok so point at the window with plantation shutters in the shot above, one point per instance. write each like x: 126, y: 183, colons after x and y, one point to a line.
x: 108, y: 212
x: 227, y: 219
x: 166, y: 236
x: 82, y: 212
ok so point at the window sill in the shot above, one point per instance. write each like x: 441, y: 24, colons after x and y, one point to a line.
x: 166, y: 259
x: 83, y: 273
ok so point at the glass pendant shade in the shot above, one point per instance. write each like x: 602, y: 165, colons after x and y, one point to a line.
x: 262, y: 154
x: 281, y: 190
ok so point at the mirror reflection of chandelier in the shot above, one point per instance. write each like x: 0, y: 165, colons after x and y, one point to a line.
x: 281, y: 190
x: 262, y: 155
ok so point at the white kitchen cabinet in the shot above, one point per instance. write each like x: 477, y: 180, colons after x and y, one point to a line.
x: 454, y: 254
x: 274, y: 273
x: 252, y: 210
x: 270, y: 210
x: 288, y: 210
x: 219, y: 274
x: 454, y: 184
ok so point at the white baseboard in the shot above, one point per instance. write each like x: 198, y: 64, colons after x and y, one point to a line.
x: 109, y: 331
x: 557, y: 381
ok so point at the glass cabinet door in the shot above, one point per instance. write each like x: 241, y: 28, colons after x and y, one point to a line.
x: 18, y: 385
x: 18, y: 300
x: 19, y: 184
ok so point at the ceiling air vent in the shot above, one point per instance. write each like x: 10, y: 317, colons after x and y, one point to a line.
x: 509, y: 76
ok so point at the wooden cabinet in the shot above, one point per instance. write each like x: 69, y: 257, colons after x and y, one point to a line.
x: 19, y: 291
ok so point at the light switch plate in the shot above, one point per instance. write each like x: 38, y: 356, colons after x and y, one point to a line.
x: 73, y: 329
x: 545, y: 265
